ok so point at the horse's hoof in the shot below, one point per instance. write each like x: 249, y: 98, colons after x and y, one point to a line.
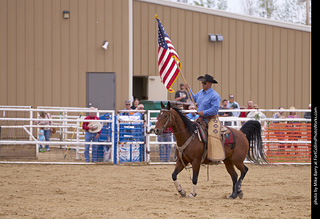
x: 182, y: 193
x: 191, y: 195
x: 232, y: 196
x: 240, y: 194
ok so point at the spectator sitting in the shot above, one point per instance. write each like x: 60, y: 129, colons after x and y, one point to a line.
x: 192, y: 116
x: 135, y: 103
x: 257, y: 115
x: 128, y: 107
x: 293, y: 115
x: 249, y: 106
x: 139, y: 107
x: 231, y: 102
x: 279, y: 115
x: 224, y: 105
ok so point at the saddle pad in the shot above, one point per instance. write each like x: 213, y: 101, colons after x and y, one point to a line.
x: 202, y: 132
x: 229, y: 138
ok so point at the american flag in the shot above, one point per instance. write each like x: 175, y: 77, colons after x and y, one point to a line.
x: 167, y: 57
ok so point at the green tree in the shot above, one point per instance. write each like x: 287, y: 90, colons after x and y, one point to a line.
x: 267, y: 8
x: 216, y: 4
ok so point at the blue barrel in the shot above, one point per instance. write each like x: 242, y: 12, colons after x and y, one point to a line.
x: 131, y: 132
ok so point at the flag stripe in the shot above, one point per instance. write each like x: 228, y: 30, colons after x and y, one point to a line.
x: 167, y: 60
x: 171, y: 78
x: 168, y: 72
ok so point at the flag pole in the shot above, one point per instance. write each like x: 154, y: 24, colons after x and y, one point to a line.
x: 188, y: 90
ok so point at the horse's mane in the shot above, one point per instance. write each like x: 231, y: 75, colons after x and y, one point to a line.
x: 191, y: 126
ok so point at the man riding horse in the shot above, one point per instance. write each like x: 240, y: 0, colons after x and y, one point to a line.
x: 191, y: 147
x: 208, y: 102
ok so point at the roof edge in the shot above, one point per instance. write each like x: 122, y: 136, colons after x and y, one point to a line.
x: 230, y: 15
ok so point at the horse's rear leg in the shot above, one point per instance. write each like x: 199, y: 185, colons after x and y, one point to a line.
x: 243, y: 169
x: 179, y: 167
x: 234, y: 176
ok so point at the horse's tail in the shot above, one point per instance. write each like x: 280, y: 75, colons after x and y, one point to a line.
x: 252, y: 130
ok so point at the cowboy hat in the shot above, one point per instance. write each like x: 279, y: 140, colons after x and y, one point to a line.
x: 207, y: 78
x: 96, y: 126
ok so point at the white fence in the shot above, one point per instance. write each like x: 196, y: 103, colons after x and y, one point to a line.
x: 67, y: 121
x: 17, y: 128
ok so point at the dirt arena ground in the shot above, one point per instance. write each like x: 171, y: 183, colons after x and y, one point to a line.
x: 106, y: 191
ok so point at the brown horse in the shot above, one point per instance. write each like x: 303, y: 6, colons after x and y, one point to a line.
x: 193, y: 148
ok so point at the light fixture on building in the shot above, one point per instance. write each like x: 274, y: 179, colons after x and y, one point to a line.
x: 214, y: 38
x: 66, y: 14
x: 105, y: 45
x: 219, y: 37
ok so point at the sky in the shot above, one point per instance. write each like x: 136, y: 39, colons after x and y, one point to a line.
x: 235, y: 6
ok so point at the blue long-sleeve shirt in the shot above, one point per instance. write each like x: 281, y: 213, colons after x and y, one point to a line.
x: 207, y: 101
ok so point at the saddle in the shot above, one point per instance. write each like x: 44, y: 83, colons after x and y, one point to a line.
x: 227, y: 133
x: 227, y: 138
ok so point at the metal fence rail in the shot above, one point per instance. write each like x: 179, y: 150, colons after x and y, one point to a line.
x: 285, y: 140
x: 69, y: 135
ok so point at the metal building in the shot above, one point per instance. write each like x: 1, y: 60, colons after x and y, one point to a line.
x: 51, y: 53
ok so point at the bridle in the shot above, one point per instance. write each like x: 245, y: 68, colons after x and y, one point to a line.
x: 169, y: 119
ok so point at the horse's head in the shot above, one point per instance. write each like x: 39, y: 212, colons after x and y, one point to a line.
x: 164, y: 119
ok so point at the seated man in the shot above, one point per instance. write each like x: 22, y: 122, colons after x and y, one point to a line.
x: 224, y: 105
x: 192, y: 116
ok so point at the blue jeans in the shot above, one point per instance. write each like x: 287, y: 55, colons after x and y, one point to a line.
x: 40, y: 146
x: 47, y: 137
x: 88, y: 138
x: 165, y: 149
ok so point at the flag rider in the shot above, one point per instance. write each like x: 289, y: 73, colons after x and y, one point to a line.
x: 208, y: 102
x: 192, y: 141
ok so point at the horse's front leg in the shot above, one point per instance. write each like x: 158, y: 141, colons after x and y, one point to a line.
x: 195, y: 170
x: 179, y: 167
